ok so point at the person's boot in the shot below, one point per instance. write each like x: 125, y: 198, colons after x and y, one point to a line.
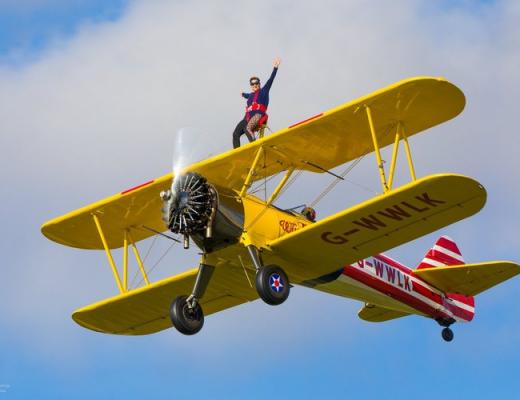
x: 250, y: 135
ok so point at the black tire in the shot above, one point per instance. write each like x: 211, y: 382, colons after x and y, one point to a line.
x: 186, y: 320
x: 447, y: 334
x: 272, y: 285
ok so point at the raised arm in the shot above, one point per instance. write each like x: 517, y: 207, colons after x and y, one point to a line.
x: 276, y: 64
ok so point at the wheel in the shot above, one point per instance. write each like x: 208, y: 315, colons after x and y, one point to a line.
x: 185, y: 319
x: 272, y: 285
x: 447, y: 334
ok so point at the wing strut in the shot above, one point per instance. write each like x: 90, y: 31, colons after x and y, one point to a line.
x: 249, y: 178
x: 272, y: 198
x: 122, y: 286
x: 377, y: 150
x: 139, y: 261
x: 108, y: 253
x: 399, y: 135
x: 280, y: 186
x: 252, y: 172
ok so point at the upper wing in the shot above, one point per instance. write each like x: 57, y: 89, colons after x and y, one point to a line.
x: 128, y: 210
x: 469, y: 279
x: 377, y: 225
x: 145, y: 310
x: 324, y: 141
x: 373, y: 313
x: 341, y: 134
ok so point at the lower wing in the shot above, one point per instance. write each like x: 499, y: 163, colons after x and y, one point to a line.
x: 377, y: 225
x: 146, y: 310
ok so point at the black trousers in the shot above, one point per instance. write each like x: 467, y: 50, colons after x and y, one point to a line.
x: 239, y: 131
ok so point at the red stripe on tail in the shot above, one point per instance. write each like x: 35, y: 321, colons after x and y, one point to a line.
x: 444, y: 252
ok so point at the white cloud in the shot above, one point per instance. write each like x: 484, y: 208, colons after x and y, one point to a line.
x: 97, y: 112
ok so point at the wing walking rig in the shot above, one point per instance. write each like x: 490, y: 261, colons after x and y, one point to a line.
x: 245, y: 239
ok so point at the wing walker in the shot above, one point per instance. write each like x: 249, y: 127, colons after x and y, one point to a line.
x: 252, y: 249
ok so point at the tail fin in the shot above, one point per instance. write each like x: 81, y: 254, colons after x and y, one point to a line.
x: 444, y: 252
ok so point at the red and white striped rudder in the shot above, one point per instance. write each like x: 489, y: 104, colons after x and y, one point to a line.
x: 444, y: 252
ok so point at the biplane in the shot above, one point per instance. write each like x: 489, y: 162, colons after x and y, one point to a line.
x: 251, y: 249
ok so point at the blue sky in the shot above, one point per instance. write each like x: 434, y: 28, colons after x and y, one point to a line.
x: 91, y: 93
x: 30, y: 27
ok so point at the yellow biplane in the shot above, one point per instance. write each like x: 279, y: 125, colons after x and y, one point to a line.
x: 250, y: 248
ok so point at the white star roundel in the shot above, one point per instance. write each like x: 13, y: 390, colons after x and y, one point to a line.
x: 275, y: 281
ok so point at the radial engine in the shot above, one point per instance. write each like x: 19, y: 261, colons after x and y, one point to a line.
x: 195, y: 208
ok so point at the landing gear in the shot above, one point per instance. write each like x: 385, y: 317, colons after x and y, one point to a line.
x: 187, y: 318
x: 447, y: 334
x: 185, y: 311
x: 272, y: 285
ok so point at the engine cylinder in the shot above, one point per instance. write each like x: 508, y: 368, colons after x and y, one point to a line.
x: 211, y: 216
x: 190, y: 204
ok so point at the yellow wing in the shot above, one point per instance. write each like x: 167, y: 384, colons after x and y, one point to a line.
x: 127, y: 210
x: 325, y: 141
x: 377, y: 225
x: 469, y: 279
x: 373, y: 313
x: 145, y: 310
x: 341, y: 134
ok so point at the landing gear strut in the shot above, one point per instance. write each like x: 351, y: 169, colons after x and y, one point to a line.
x: 185, y: 311
x: 272, y: 283
x: 447, y: 333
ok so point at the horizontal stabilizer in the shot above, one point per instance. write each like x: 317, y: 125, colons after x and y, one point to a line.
x: 469, y: 279
x: 373, y: 313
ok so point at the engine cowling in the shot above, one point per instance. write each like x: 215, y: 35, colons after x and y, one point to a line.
x: 195, y: 208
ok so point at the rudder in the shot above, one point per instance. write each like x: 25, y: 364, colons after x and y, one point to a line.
x: 443, y: 253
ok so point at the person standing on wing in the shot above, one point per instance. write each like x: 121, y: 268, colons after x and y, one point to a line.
x: 257, y: 102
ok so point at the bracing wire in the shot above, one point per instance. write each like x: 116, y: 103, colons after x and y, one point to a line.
x: 149, y: 248
x: 152, y: 243
x: 290, y: 182
x: 331, y: 186
x: 287, y: 185
x: 372, y: 191
x: 349, y: 168
x: 261, y: 185
x: 156, y: 263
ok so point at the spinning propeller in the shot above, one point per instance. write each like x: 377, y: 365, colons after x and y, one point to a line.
x: 190, y: 204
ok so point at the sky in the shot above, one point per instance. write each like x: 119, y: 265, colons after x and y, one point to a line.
x: 91, y: 96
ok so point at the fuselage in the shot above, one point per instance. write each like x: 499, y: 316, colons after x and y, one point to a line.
x: 385, y: 282
x: 378, y: 280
